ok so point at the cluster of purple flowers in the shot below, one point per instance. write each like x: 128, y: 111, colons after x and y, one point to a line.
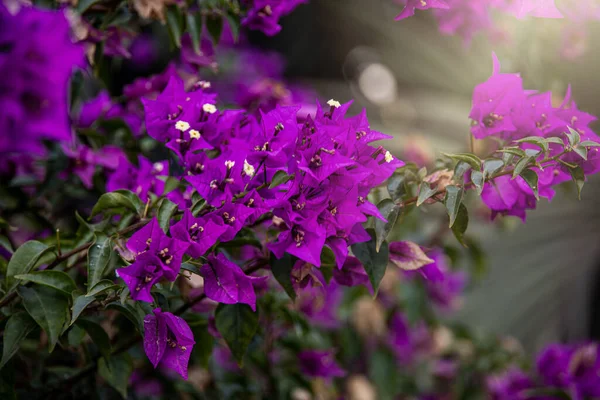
x: 503, y: 109
x: 36, y: 62
x: 575, y: 370
x: 264, y: 15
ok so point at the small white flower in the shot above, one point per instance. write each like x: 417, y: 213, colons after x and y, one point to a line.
x: 203, y: 84
x: 194, y: 134
x: 229, y: 164
x: 388, y: 157
x: 334, y: 103
x: 209, y: 108
x: 248, y: 169
x: 158, y: 167
x: 182, y: 126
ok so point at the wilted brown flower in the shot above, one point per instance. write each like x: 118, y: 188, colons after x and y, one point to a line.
x: 152, y: 9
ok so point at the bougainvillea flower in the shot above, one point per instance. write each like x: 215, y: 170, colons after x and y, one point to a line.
x: 140, y: 180
x: 168, y: 340
x: 352, y: 273
x: 534, y: 8
x: 225, y: 282
x: 156, y: 256
x: 510, y: 385
x: 412, y: 5
x: 36, y: 63
x: 201, y: 233
x: 319, y: 364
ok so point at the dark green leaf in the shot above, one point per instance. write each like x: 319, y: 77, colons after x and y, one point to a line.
x: 469, y: 158
x: 280, y: 178
x: 374, y: 262
x: 535, y: 140
x: 98, y: 258
x: 190, y: 267
x: 460, y: 170
x: 390, y: 212
x: 97, y: 334
x: 234, y: 26
x: 116, y: 371
x: 282, y: 271
x: 204, y: 344
x: 522, y: 164
x: 555, y: 140
x: 546, y: 393
x: 531, y: 178
x: 460, y: 224
x: 165, y: 212
x: 55, y: 279
x: 17, y: 328
x: 574, y: 137
x: 4, y: 242
x: 131, y: 313
x: 515, y: 151
x: 578, y: 177
x: 83, y: 5
x: 23, y: 260
x: 100, y: 287
x: 194, y: 27
x: 477, y: 179
x: 425, y: 192
x: 581, y: 151
x: 237, y: 324
x: 214, y: 26
x: 491, y: 166
x: 175, y: 24
x: 48, y: 307
x: 453, y: 201
x: 114, y: 201
x: 79, y: 304
x: 396, y: 186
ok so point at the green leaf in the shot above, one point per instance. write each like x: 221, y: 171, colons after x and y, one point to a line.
x: 460, y: 225
x: 174, y: 24
x: 48, y: 307
x: 581, y: 151
x: 23, y: 260
x: 374, y: 262
x: 522, y: 164
x: 491, y: 166
x: 589, y: 143
x: 237, y: 324
x: 83, y: 5
x: 165, y: 212
x: 234, y: 26
x: 131, y: 313
x: 282, y: 271
x: 459, y: 171
x: 98, y: 258
x: 279, y: 178
x: 97, y: 334
x: 551, y: 393
x: 469, y: 158
x: 531, y: 178
x: 214, y: 26
x: 79, y: 304
x: 578, y: 177
x: 555, y: 140
x: 116, y: 372
x: 425, y: 192
x: 515, y: 151
x: 17, y: 328
x: 453, y: 201
x: 478, y: 181
x: 535, y: 140
x: 113, y: 201
x: 194, y: 27
x: 396, y: 186
x: 574, y: 137
x: 100, y: 287
x: 55, y: 279
x: 390, y: 212
x: 4, y: 242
